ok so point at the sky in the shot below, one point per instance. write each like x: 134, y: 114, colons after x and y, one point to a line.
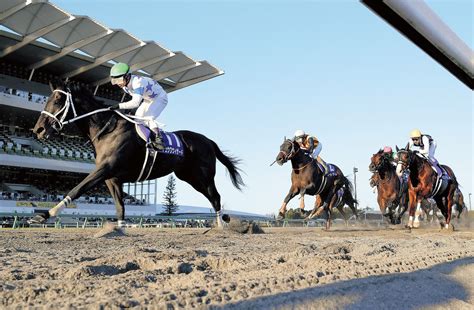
x: 331, y: 68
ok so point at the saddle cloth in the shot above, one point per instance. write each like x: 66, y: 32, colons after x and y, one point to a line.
x: 172, y: 143
x: 332, y: 171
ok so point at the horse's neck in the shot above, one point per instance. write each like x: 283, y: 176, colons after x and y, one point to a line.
x: 300, y: 160
x: 90, y: 126
x: 388, y: 171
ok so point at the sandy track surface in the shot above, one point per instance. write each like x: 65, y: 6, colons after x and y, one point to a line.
x: 284, y: 268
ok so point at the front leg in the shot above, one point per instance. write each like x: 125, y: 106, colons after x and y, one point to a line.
x: 411, y: 207
x: 116, y: 190
x: 291, y: 193
x: 302, y: 192
x: 94, y: 178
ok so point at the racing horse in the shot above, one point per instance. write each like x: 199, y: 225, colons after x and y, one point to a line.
x: 423, y: 183
x: 307, y: 178
x: 392, y: 194
x: 342, y: 198
x: 120, y: 152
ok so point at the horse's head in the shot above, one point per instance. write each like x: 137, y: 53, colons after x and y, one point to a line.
x: 56, y: 110
x: 404, y: 159
x: 380, y: 161
x: 288, y: 149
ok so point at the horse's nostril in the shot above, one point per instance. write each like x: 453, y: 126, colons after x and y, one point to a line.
x: 39, y: 130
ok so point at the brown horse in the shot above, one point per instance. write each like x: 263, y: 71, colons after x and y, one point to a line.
x: 308, y: 179
x: 392, y: 195
x: 423, y: 184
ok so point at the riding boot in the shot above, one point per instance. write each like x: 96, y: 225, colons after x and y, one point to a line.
x: 157, y: 142
x: 323, y: 163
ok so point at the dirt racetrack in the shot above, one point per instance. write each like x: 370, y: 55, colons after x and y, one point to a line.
x: 297, y: 268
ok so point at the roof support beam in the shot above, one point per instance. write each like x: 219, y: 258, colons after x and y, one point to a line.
x: 137, y: 66
x: 35, y: 35
x: 100, y: 60
x: 69, y: 49
x: 169, y: 73
x: 194, y: 81
x: 19, y: 7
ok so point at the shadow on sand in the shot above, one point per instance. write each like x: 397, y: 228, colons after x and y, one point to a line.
x: 422, y: 288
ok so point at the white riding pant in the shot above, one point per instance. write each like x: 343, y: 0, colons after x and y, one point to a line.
x: 152, y: 110
x: 317, y: 150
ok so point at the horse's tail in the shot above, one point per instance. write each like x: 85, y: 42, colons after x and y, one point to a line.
x: 231, y: 165
x: 348, y: 196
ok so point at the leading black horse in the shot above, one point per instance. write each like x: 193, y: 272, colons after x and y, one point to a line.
x: 120, y: 152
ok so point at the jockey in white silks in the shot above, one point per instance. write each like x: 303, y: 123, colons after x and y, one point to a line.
x: 426, y: 146
x: 147, y: 95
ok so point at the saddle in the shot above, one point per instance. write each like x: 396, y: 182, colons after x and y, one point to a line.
x: 172, y: 143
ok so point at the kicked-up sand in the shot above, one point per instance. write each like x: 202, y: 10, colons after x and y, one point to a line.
x: 284, y: 268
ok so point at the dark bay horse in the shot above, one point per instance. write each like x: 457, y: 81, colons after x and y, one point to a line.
x: 391, y: 197
x: 308, y: 179
x: 120, y: 152
x: 422, y: 184
x: 343, y: 197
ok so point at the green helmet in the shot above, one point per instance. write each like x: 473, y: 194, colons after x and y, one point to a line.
x: 119, y: 69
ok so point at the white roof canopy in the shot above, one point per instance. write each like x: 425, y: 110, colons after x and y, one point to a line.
x: 42, y: 36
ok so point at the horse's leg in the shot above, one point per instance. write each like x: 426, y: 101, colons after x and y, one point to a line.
x: 449, y: 205
x: 411, y: 208
x: 116, y: 190
x: 94, y: 178
x: 404, y: 206
x: 341, y: 210
x: 291, y: 193
x: 302, y: 202
x: 197, y: 179
x: 317, y: 204
x: 418, y: 211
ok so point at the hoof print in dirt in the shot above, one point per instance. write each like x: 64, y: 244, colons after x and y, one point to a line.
x: 110, y: 230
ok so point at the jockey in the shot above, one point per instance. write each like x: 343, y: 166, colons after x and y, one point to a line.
x: 310, y: 144
x: 387, y: 150
x: 147, y: 95
x: 426, y: 146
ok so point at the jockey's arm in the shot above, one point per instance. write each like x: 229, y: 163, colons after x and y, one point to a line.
x: 425, y: 150
x: 311, y: 144
x: 132, y: 103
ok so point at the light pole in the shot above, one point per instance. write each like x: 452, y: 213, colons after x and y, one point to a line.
x: 470, y: 205
x: 355, y: 182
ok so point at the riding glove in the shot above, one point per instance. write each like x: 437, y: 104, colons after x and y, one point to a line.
x: 114, y: 107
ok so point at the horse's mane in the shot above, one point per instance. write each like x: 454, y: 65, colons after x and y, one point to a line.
x: 86, y: 94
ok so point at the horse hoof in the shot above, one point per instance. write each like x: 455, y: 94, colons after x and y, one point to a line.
x: 39, y: 218
x: 226, y: 218
x: 280, y: 217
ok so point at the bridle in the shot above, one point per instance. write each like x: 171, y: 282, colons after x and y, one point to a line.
x: 290, y: 155
x: 404, y: 164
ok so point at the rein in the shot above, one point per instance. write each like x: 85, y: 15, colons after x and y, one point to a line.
x: 60, y: 120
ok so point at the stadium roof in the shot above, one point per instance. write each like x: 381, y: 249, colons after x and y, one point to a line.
x: 42, y: 36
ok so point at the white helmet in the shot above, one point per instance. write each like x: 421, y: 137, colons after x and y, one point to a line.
x: 299, y: 133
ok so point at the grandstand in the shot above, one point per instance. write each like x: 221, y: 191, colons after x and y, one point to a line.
x: 39, y: 43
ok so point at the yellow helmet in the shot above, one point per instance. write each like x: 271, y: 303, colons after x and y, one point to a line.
x: 415, y: 133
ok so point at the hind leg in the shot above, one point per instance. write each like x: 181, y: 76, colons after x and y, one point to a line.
x: 202, y: 180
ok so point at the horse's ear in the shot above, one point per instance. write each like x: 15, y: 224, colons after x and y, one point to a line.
x: 284, y: 138
x: 51, y: 86
x: 396, y: 147
x: 407, y: 147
